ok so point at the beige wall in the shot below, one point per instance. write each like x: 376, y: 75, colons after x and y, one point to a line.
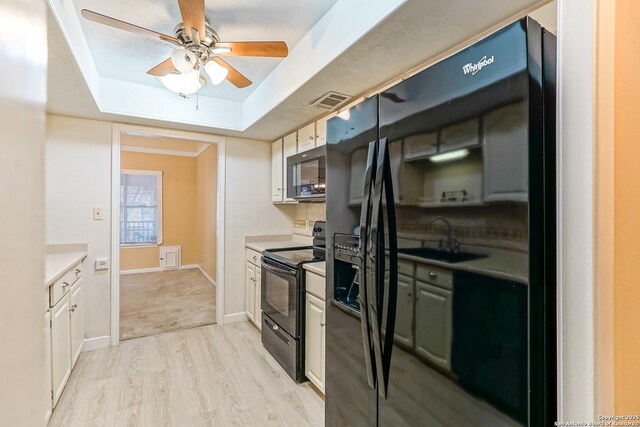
x: 22, y: 309
x: 626, y: 307
x: 206, y: 210
x: 178, y: 208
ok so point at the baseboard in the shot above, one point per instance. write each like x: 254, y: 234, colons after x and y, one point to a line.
x: 204, y: 273
x: 156, y: 269
x: 140, y: 271
x: 96, y: 343
x: 235, y: 317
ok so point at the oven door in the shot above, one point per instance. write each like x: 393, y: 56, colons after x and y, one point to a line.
x: 280, y: 294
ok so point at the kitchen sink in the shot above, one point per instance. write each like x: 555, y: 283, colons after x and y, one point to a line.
x: 438, y: 255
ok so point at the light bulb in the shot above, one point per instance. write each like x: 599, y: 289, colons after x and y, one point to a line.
x: 217, y: 73
x: 183, y: 60
x: 186, y: 83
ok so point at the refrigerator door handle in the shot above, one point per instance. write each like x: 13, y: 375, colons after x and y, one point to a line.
x: 383, y: 350
x: 365, y: 223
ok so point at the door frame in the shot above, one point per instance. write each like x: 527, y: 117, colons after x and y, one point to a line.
x: 120, y: 129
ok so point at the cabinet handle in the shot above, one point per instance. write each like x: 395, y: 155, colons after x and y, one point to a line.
x: 255, y: 257
x: 322, y: 324
x: 310, y: 138
x: 78, y: 271
x: 72, y: 309
x: 75, y: 305
x: 64, y: 285
x: 433, y: 275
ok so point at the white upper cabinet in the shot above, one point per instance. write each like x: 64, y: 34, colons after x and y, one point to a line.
x: 277, y: 181
x: 290, y: 148
x: 307, y: 137
x: 321, y: 130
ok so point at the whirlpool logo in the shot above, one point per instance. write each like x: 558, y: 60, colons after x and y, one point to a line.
x: 473, y: 69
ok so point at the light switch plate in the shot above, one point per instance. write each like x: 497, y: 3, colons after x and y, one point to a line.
x: 98, y: 213
x: 102, y: 263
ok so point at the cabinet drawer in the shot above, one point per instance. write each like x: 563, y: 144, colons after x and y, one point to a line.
x: 253, y: 257
x: 315, y: 285
x: 405, y: 267
x: 61, y: 286
x: 435, y: 275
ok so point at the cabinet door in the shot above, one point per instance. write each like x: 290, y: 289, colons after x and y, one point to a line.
x: 505, y: 154
x: 433, y: 324
x: 251, y: 291
x: 257, y: 313
x: 277, y: 186
x: 60, y: 346
x: 315, y: 341
x: 307, y: 137
x: 77, y: 331
x: 47, y: 364
x: 356, y: 175
x: 321, y: 130
x: 404, y: 313
x: 290, y: 148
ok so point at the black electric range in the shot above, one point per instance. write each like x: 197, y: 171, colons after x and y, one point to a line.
x: 283, y: 301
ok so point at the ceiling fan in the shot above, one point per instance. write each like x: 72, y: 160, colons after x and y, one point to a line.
x: 198, y: 47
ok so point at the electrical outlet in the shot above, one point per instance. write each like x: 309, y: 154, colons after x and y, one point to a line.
x: 98, y: 213
x: 102, y: 263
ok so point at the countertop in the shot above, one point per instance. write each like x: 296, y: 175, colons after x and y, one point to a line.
x: 56, y: 264
x: 499, y: 263
x: 262, y: 243
x: 316, y: 267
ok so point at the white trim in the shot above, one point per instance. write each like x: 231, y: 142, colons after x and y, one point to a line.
x: 204, y: 273
x: 140, y: 172
x: 155, y: 269
x: 96, y: 343
x: 201, y: 150
x: 141, y: 271
x: 162, y: 151
x: 235, y: 317
x: 220, y: 141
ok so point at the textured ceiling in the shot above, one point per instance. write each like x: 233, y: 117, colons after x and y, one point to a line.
x: 125, y: 56
x: 413, y: 35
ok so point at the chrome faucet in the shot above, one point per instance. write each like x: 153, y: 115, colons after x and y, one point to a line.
x: 451, y: 244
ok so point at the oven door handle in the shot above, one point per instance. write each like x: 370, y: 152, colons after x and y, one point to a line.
x: 277, y: 270
x: 365, y: 232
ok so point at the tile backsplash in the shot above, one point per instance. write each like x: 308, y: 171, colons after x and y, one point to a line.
x: 303, y: 215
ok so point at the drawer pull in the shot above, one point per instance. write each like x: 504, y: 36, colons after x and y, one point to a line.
x: 78, y: 271
x: 322, y: 324
x: 64, y: 284
x: 433, y: 274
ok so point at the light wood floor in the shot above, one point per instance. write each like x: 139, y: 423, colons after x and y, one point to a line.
x: 216, y: 375
x: 154, y: 303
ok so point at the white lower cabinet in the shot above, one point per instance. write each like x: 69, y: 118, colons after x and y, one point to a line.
x: 75, y: 314
x: 314, y: 352
x: 253, y: 273
x: 47, y: 366
x: 60, y: 346
x: 433, y: 324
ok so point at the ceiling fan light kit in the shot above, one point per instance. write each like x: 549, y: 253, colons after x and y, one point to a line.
x: 183, y: 83
x: 199, y: 47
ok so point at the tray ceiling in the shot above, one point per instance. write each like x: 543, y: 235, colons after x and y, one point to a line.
x: 124, y: 56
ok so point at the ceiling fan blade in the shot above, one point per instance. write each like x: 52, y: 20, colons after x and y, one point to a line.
x: 193, y: 18
x: 272, y: 49
x: 135, y: 29
x: 162, y: 69
x: 234, y: 76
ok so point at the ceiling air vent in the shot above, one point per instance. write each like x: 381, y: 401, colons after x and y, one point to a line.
x: 330, y: 100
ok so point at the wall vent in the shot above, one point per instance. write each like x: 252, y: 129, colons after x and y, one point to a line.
x: 330, y: 100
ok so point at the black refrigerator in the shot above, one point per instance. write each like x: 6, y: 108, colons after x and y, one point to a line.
x: 441, y: 243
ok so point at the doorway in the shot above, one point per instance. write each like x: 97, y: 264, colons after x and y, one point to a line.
x: 168, y: 223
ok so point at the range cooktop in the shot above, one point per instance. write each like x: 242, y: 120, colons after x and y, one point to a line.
x: 295, y: 256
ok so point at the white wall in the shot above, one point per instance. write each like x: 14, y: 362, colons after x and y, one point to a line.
x: 78, y: 172
x: 78, y: 177
x: 249, y: 212
x: 22, y: 308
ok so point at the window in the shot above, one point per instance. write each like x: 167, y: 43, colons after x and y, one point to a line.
x: 140, y: 207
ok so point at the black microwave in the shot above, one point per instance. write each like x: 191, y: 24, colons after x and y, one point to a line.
x: 306, y: 175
